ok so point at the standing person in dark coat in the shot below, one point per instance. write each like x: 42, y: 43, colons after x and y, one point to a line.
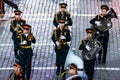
x: 16, y: 29
x: 104, y: 35
x: 61, y: 37
x: 88, y: 64
x: 26, y: 38
x: 17, y: 74
x: 74, y: 73
x: 62, y: 14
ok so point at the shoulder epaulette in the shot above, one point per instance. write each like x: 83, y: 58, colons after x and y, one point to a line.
x: 22, y: 19
x: 11, y: 20
x: 68, y: 13
x: 95, y: 16
x: 98, y: 17
x: 66, y: 28
x: 55, y: 29
x: 83, y: 41
x: 57, y: 13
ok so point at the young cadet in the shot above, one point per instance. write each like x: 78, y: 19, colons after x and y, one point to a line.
x: 88, y: 64
x: 63, y: 14
x: 26, y: 38
x: 104, y: 35
x: 61, y: 37
x: 15, y: 28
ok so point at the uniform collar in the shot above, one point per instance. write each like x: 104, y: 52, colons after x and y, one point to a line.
x: 103, y: 16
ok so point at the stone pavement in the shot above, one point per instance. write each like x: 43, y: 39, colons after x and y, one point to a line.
x: 39, y: 14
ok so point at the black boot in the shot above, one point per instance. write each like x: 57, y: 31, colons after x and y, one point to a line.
x: 57, y: 71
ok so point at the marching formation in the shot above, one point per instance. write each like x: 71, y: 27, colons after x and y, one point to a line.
x: 93, y: 47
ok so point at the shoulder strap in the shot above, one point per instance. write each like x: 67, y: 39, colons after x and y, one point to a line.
x: 83, y: 42
x: 98, y: 17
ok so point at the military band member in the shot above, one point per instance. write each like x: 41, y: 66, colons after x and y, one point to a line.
x: 2, y: 11
x: 62, y: 14
x: 15, y: 28
x: 104, y: 35
x: 25, y: 52
x: 60, y: 38
x: 74, y: 74
x: 17, y: 74
x: 88, y: 64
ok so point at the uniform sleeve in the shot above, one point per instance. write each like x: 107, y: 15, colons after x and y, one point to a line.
x: 70, y: 21
x: 34, y: 40
x: 12, y: 26
x: 92, y: 21
x: 19, y: 36
x: 24, y: 21
x: 53, y: 37
x: 55, y: 20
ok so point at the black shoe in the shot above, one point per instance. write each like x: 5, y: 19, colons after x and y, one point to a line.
x: 57, y: 72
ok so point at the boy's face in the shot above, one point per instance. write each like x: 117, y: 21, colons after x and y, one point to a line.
x: 17, y: 70
x: 62, y: 9
x: 25, y: 31
x: 72, y: 70
x: 89, y: 35
x: 17, y: 16
x: 104, y: 12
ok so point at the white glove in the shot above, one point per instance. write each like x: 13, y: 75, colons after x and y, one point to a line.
x: 98, y: 23
x: 69, y: 27
x: 57, y: 43
x: 16, y: 29
x: 62, y: 37
x: 88, y: 48
x: 24, y: 42
x: 109, y: 24
x: 69, y: 43
x: 66, y: 22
